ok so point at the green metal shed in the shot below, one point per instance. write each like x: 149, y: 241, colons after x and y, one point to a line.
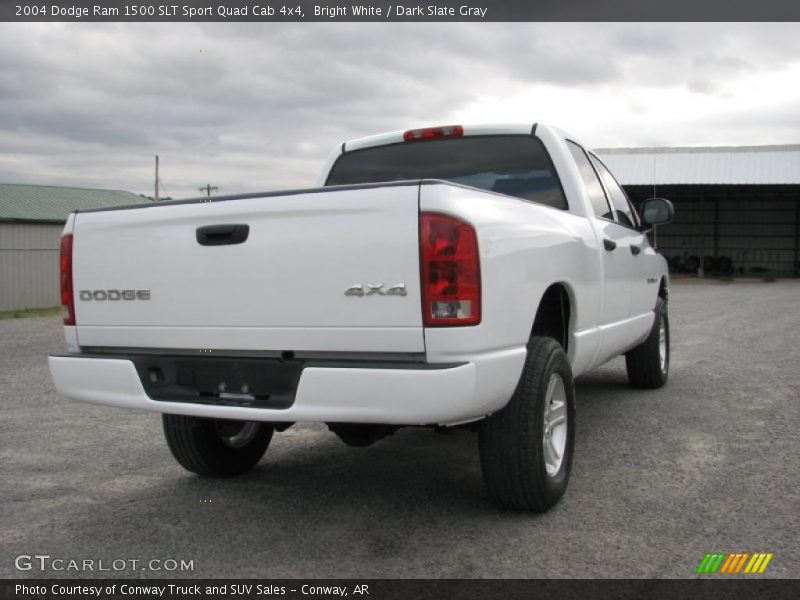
x: 31, y: 220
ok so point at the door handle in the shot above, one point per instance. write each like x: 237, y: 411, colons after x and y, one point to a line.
x: 635, y: 249
x: 222, y: 235
x: 609, y: 245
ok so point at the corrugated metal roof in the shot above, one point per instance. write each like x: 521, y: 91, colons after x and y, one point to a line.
x: 704, y: 165
x: 21, y: 202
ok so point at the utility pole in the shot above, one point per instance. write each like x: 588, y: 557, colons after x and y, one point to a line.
x: 208, y: 188
x: 156, y: 196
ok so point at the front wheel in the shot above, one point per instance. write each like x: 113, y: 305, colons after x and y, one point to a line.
x: 526, y: 448
x: 216, y: 447
x: 648, y: 363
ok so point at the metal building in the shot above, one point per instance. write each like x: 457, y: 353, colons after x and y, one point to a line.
x: 31, y: 220
x: 737, y: 208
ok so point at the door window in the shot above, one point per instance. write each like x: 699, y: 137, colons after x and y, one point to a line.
x: 593, y: 186
x: 623, y: 210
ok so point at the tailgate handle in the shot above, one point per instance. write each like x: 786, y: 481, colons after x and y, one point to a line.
x: 221, y: 235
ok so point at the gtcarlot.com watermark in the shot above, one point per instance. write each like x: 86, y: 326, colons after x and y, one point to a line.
x: 47, y: 563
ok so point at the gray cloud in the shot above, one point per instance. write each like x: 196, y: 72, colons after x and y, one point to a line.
x: 258, y: 106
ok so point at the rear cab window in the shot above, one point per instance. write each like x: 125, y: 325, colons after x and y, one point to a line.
x: 514, y: 165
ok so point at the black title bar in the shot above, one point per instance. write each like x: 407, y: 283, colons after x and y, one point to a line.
x: 398, y: 11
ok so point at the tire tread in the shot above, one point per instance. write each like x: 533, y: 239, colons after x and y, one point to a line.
x: 642, y: 362
x: 510, y: 445
x: 196, y: 447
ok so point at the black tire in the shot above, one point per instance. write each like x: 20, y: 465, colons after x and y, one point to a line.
x: 644, y: 365
x: 215, y: 447
x: 511, y: 441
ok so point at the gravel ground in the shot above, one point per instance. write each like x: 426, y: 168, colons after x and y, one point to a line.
x: 711, y: 462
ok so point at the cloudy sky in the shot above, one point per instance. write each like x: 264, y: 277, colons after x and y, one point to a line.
x: 250, y: 107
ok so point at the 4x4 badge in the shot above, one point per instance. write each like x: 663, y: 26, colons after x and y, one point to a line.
x: 376, y: 289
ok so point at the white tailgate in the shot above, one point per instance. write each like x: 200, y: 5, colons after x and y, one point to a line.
x: 282, y: 289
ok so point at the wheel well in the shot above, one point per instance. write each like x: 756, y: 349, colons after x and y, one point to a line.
x: 552, y: 316
x: 663, y: 289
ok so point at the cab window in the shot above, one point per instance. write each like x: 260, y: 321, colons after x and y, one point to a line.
x: 623, y: 210
x: 593, y: 186
x: 515, y: 165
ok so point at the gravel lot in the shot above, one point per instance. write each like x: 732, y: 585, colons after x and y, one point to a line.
x: 711, y: 462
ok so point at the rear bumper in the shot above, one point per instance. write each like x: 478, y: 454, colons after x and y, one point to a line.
x: 396, y: 395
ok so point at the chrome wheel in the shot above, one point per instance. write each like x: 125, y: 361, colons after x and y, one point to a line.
x: 555, y: 424
x: 662, y: 344
x: 236, y: 434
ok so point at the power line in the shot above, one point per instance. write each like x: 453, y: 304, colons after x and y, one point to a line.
x: 166, y: 193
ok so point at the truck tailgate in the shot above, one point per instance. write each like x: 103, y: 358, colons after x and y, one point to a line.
x: 281, y: 289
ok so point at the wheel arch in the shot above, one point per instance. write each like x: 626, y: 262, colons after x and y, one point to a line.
x: 554, y: 314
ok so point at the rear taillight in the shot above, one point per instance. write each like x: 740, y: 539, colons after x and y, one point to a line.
x: 451, y: 277
x: 433, y: 133
x: 67, y: 298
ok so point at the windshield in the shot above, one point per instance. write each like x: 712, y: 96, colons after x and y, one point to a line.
x: 516, y: 165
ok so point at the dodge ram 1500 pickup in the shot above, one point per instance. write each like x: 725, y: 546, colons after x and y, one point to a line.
x: 455, y: 276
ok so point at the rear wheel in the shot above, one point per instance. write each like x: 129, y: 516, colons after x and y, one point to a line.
x: 216, y: 447
x: 648, y: 363
x: 526, y: 448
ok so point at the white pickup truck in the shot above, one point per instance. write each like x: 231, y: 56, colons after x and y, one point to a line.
x: 446, y: 276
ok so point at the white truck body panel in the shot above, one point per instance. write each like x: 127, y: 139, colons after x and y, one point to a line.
x: 523, y: 252
x: 283, y: 290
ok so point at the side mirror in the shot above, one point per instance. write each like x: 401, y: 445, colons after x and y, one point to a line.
x: 657, y: 211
